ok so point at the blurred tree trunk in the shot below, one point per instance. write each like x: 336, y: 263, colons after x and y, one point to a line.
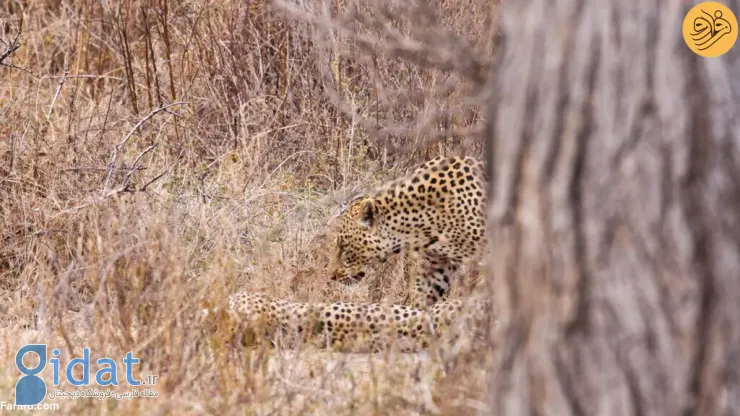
x: 615, y: 217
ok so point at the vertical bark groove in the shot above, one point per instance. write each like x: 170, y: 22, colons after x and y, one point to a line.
x: 700, y: 123
x: 576, y: 199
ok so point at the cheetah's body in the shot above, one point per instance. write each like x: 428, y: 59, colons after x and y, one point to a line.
x: 437, y: 210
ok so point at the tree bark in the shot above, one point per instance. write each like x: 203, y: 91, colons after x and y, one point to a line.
x: 614, y: 155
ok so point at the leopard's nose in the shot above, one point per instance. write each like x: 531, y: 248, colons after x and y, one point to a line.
x: 337, y: 275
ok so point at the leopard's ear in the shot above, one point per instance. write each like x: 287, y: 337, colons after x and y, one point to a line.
x: 369, y: 212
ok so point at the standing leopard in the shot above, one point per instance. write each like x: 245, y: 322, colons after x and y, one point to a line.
x: 437, y: 210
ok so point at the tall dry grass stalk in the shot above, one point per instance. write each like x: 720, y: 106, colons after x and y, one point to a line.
x: 158, y: 155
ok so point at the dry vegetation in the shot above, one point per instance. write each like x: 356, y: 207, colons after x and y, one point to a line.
x: 157, y: 155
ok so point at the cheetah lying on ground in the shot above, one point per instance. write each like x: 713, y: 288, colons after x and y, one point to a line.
x: 342, y: 326
x: 438, y: 210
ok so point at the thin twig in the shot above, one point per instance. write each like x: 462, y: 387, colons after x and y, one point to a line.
x: 156, y: 178
x: 127, y: 178
x: 13, y: 46
x: 117, y: 149
x: 28, y: 71
x: 82, y: 76
x: 56, y: 95
x: 91, y: 202
x: 93, y: 169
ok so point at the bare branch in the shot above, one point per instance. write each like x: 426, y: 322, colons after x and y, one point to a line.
x: 127, y: 178
x: 11, y: 47
x: 164, y: 172
x: 117, y: 149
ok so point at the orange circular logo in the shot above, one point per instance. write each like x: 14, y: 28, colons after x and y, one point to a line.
x: 710, y: 29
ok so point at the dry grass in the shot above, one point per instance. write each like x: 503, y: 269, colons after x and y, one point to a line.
x: 157, y: 155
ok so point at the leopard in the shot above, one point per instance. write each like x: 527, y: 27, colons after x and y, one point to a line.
x: 342, y: 326
x: 436, y: 211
